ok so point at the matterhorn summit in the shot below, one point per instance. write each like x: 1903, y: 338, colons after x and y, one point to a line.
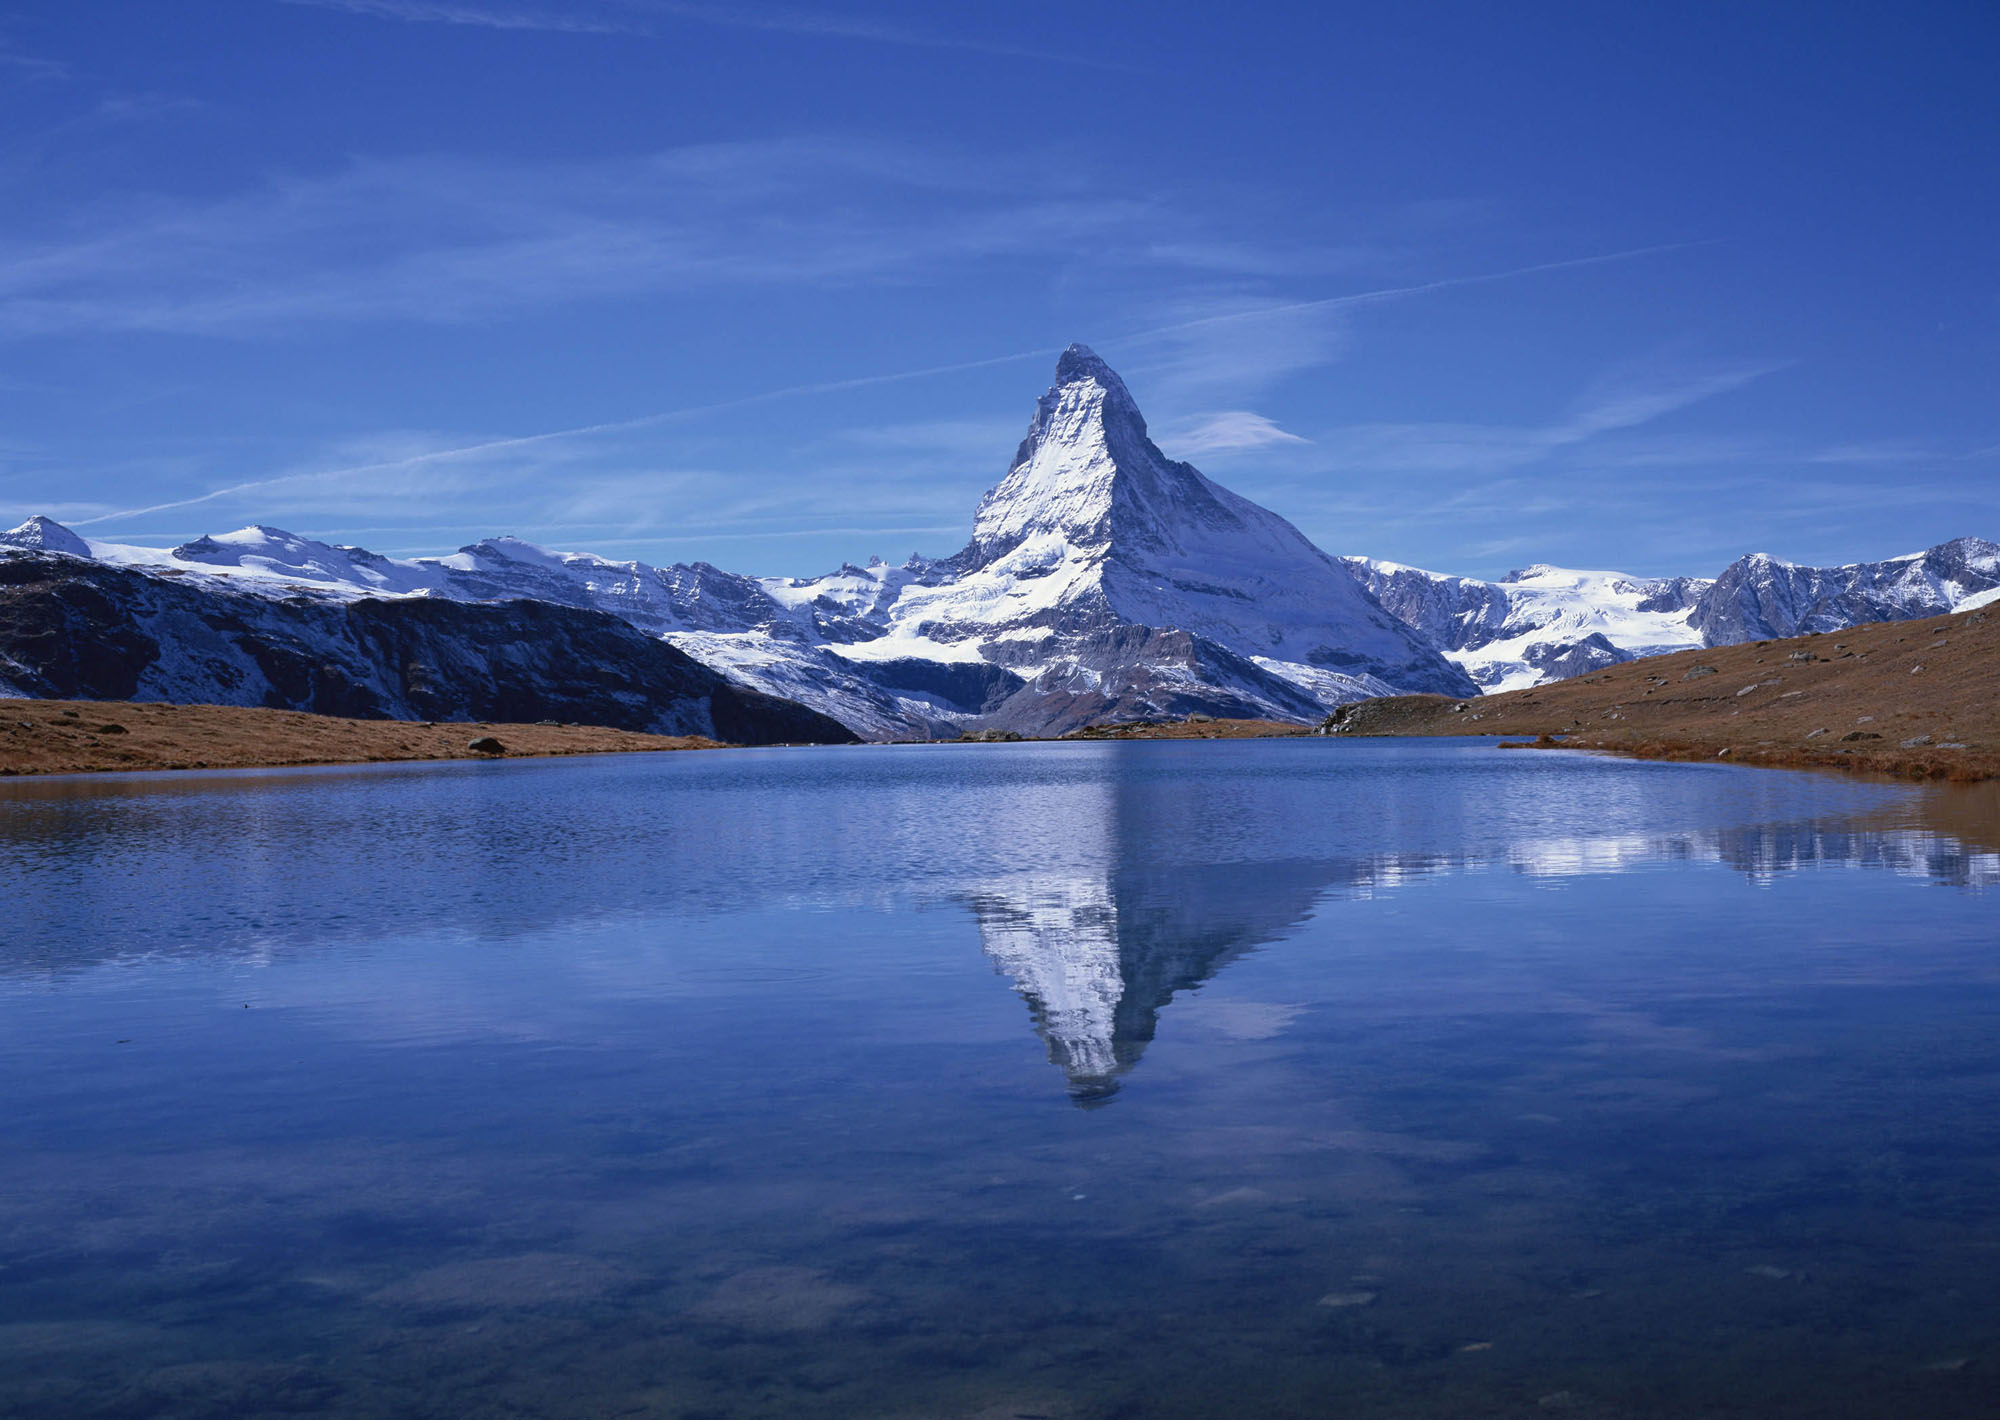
x: 1085, y: 468
x: 1120, y: 583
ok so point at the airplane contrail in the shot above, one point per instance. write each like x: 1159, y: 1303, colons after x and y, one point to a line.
x: 488, y: 446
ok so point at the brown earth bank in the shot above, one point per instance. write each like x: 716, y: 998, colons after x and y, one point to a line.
x: 1193, y: 727
x: 87, y: 736
x: 1919, y: 699
x: 1197, y: 727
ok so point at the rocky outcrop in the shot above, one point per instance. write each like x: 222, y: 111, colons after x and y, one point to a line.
x: 1761, y: 598
x: 80, y: 630
x: 1559, y: 660
x: 1140, y: 672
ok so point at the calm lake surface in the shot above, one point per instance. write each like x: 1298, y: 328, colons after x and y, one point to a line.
x: 1297, y: 1077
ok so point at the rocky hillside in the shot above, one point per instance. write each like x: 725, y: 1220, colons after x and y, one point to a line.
x: 77, y: 629
x: 1760, y: 596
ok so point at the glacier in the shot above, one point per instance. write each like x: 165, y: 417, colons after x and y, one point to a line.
x: 1540, y: 623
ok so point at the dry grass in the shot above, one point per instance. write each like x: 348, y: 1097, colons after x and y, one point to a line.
x: 1920, y: 699
x: 86, y: 736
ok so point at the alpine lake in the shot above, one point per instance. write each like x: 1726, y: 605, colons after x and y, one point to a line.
x: 1079, y: 1080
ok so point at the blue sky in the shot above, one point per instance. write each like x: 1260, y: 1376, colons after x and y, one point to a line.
x: 775, y: 286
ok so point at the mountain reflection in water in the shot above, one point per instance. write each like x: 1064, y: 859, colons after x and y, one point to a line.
x: 1097, y: 956
x: 1441, y: 1082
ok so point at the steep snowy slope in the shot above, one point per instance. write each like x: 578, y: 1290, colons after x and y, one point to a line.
x: 1108, y: 582
x: 1119, y: 583
x: 1539, y: 624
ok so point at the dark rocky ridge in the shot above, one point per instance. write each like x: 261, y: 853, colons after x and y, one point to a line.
x: 77, y: 629
x: 1123, y: 672
x: 1759, y: 597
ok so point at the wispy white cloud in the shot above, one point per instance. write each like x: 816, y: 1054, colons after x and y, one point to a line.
x: 30, y: 67
x: 1875, y: 452
x: 1233, y: 344
x: 1625, y: 400
x: 1225, y: 430
x: 649, y: 19
x: 441, y: 239
x: 1249, y: 311
x: 1263, y: 259
x: 1225, y: 347
x: 436, y: 461
x: 1398, y: 446
x: 485, y: 16
x: 1628, y: 398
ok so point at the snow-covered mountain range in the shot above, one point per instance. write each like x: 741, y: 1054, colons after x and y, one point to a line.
x: 75, y: 628
x: 1102, y: 581
x: 1540, y: 623
x: 1546, y: 623
x: 1759, y: 597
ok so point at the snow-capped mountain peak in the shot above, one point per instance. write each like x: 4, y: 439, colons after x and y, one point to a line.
x: 1095, y: 536
x: 40, y: 534
x: 1085, y: 448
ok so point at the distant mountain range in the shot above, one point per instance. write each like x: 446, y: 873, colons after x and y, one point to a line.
x: 1549, y: 623
x: 1103, y: 581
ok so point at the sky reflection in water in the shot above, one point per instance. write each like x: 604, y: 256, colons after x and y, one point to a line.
x: 1414, y: 1079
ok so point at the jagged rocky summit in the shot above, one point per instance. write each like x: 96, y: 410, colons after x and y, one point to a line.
x: 1115, y: 583
x: 1102, y: 581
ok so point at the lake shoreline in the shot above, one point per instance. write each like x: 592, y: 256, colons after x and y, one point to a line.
x: 45, y: 737
x: 1914, y: 699
x: 164, y: 738
x: 1908, y: 699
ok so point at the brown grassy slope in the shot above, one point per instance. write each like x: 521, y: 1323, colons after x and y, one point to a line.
x: 77, y: 736
x: 1852, y: 699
